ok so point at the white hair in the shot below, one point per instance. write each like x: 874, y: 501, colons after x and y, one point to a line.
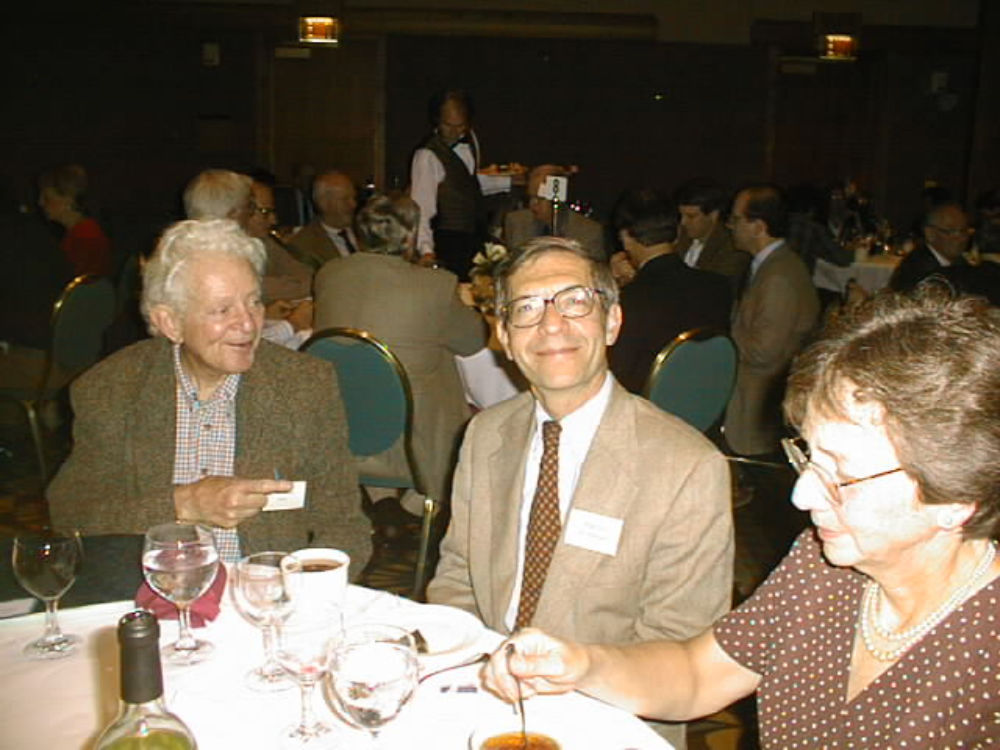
x: 180, y: 243
x: 217, y: 194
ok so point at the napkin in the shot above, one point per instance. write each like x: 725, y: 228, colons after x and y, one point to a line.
x: 203, y: 610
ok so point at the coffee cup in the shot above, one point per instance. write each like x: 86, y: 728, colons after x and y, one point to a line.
x: 321, y: 574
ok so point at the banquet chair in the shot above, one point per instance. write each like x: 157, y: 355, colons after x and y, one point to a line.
x: 692, y: 377
x: 379, y: 403
x: 80, y: 317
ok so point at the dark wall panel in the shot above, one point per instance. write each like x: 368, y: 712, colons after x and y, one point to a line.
x: 627, y: 113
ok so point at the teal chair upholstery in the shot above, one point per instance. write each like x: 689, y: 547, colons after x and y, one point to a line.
x: 693, y: 377
x: 80, y: 317
x: 376, y: 394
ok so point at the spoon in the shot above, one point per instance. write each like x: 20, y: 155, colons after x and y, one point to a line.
x: 478, y: 660
x: 520, y: 699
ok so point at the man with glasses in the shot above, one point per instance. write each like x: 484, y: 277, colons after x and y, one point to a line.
x: 778, y: 308
x: 578, y: 507
x: 946, y: 237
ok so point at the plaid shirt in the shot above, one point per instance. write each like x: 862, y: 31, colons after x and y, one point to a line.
x: 206, y: 441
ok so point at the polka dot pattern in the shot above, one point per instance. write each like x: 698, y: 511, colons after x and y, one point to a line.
x: 798, y: 631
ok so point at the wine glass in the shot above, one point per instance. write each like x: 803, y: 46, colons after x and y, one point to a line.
x: 263, y: 595
x: 45, y: 564
x: 373, y: 673
x: 180, y: 561
x: 303, y: 650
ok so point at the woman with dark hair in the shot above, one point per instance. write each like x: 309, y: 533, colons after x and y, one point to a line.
x: 61, y: 197
x: 880, y: 627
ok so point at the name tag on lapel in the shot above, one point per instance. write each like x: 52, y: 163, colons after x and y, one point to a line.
x: 593, y: 531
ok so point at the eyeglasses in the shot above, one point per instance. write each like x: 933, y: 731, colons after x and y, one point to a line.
x: 571, y: 302
x: 954, y: 232
x: 799, y: 459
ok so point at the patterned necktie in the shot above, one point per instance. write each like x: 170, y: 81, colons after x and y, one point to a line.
x: 544, y: 526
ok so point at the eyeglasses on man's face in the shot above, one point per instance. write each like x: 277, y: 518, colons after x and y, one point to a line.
x: 571, y: 302
x: 797, y: 453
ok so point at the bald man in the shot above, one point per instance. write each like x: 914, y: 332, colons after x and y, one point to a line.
x: 537, y: 219
x: 331, y: 232
x: 946, y: 238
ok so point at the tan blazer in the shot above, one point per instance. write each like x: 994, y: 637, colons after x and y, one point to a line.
x: 778, y: 310
x: 417, y: 313
x: 521, y: 225
x: 289, y: 418
x: 672, y: 574
x: 312, y: 246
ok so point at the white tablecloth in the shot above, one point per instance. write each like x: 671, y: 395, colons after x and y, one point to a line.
x: 872, y: 273
x: 63, y: 704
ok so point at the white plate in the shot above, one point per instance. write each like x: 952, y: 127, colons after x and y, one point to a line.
x: 447, y: 630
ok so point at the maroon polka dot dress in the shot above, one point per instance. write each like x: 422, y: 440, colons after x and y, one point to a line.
x: 797, y: 631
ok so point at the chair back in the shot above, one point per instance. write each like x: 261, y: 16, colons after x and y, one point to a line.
x: 79, y: 319
x: 693, y: 376
x: 375, y: 390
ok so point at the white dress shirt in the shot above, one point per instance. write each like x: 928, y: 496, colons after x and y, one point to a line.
x: 427, y: 172
x: 338, y: 239
x: 578, y: 430
x: 693, y: 253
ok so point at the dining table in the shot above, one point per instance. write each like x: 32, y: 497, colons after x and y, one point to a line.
x: 871, y: 273
x: 65, y: 703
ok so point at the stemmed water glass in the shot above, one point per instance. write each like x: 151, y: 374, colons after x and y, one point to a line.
x: 45, y: 564
x: 264, y: 596
x: 180, y: 561
x: 303, y: 650
x: 373, y: 673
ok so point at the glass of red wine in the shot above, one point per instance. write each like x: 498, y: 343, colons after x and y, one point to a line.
x: 45, y: 564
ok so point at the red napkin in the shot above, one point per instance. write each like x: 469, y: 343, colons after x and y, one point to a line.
x: 203, y: 610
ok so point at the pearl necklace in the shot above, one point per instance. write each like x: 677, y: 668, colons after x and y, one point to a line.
x: 870, y: 625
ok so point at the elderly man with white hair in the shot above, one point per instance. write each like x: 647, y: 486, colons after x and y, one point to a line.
x: 203, y: 421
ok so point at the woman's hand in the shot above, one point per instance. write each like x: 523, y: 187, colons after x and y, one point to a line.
x: 543, y: 664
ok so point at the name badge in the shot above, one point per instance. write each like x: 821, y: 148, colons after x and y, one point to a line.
x: 287, y: 500
x: 593, y: 531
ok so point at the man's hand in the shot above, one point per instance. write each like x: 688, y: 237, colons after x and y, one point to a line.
x: 543, y: 664
x: 622, y: 268
x: 224, y: 501
x: 279, y: 309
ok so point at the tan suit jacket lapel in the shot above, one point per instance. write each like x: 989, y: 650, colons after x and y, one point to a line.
x: 506, y: 479
x: 605, y: 487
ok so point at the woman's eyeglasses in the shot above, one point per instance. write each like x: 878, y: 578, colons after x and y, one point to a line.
x: 796, y: 452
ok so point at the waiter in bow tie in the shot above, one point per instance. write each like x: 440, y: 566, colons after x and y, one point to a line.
x: 445, y: 183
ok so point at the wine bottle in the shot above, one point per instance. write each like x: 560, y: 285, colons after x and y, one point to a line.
x: 143, y: 721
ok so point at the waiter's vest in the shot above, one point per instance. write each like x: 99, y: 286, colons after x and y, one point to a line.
x: 459, y: 199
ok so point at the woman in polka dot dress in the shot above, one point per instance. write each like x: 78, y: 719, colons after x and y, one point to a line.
x: 880, y: 629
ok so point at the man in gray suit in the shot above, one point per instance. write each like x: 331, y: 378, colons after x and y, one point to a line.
x: 537, y: 219
x: 643, y: 543
x: 197, y: 423
x: 417, y: 313
x: 776, y: 312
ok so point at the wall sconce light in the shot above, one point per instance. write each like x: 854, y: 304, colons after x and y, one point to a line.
x: 837, y: 35
x: 319, y: 30
x: 839, y: 47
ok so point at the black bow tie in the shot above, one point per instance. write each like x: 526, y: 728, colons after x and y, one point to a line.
x: 463, y: 139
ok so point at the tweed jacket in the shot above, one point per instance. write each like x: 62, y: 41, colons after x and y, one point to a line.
x: 312, y: 246
x: 285, y: 277
x: 777, y: 312
x: 289, y: 418
x: 672, y: 574
x: 719, y: 255
x: 521, y: 225
x: 417, y: 313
